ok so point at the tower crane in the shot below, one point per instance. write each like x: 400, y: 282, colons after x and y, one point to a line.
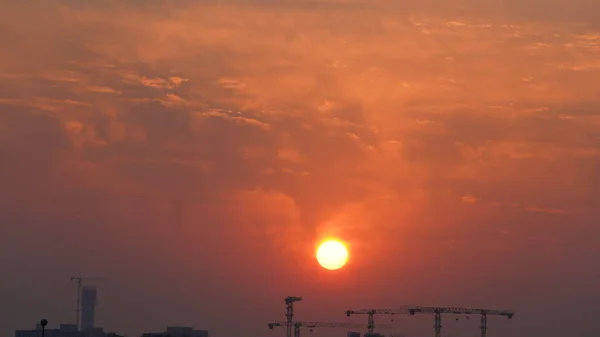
x: 80, y: 280
x: 372, y: 312
x: 289, y: 314
x: 312, y: 325
x: 438, y: 311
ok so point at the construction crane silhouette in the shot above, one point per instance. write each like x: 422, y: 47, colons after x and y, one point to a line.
x: 80, y: 280
x: 312, y: 325
x: 438, y: 311
x: 289, y: 313
x: 372, y: 312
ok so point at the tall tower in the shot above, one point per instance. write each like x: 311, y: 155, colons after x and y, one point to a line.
x: 88, y: 307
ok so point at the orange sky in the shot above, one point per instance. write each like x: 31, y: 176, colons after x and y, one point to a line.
x: 193, y: 152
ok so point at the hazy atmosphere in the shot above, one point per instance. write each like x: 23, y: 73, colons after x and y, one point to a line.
x: 194, y: 153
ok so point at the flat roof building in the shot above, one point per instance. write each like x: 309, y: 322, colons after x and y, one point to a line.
x: 178, y: 331
x: 64, y: 330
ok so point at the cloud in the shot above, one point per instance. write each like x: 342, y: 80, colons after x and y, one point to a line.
x: 133, y: 87
x: 468, y: 199
x: 546, y: 210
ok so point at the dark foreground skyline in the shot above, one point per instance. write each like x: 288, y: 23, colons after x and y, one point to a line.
x: 193, y: 154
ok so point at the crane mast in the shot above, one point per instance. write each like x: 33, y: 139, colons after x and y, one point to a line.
x: 289, y: 302
x: 312, y: 325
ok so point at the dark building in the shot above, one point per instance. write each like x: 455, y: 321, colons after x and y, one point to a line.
x: 373, y: 335
x: 178, y: 331
x: 352, y: 334
x: 88, y: 307
x: 65, y: 330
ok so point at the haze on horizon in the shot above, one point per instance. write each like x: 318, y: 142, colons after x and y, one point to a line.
x: 193, y: 153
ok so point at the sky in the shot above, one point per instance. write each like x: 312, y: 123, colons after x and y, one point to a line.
x: 193, y: 153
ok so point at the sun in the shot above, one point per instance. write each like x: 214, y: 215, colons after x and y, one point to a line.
x: 332, y: 254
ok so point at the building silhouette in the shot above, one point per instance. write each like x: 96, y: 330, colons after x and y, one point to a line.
x: 375, y: 334
x: 178, y: 331
x: 64, y: 330
x: 88, y: 307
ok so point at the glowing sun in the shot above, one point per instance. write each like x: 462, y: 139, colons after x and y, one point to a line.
x: 332, y: 254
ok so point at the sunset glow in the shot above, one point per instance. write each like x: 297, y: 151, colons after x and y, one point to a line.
x: 195, y: 153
